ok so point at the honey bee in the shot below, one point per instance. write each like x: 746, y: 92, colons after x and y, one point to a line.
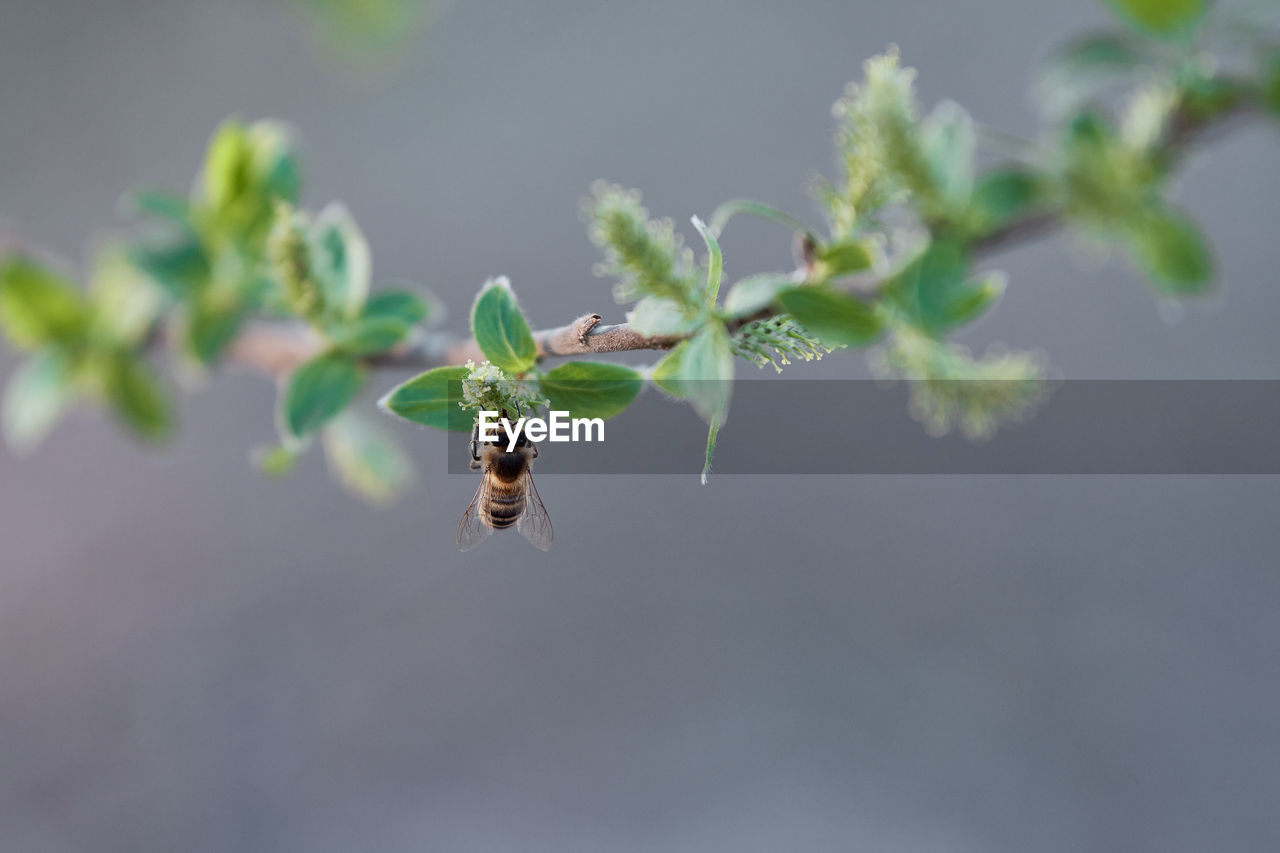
x: 506, y: 495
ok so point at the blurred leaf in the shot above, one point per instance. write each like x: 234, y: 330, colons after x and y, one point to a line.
x: 125, y: 304
x: 138, y: 396
x: 836, y: 318
x: 715, y: 262
x: 654, y: 315
x: 1161, y: 17
x: 433, y: 399
x: 721, y: 215
x: 1172, y: 251
x: 1271, y: 85
x: 178, y: 264
x: 587, y: 389
x: 211, y: 323
x: 37, y: 305
x: 318, y: 391
x: 277, y: 460
x: 369, y: 335
x: 366, y: 460
x: 1002, y: 195
x: 943, y: 297
x: 1080, y: 68
x: 755, y: 293
x: 839, y: 259
x: 700, y: 370
x: 949, y: 145
x: 227, y: 174
x: 409, y: 308
x: 500, y: 329
x: 159, y: 204
x: 37, y: 394
x: 340, y: 261
x: 273, y: 161
x: 713, y: 432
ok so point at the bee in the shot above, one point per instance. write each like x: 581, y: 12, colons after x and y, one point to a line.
x: 506, y: 495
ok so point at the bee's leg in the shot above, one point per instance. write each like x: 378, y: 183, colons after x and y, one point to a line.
x: 474, y: 445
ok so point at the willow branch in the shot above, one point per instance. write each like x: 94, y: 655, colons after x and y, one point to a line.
x: 277, y: 348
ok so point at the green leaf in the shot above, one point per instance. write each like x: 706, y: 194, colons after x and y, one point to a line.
x: 836, y: 318
x: 273, y: 161
x: 756, y: 292
x: 39, y: 306
x: 1172, y: 252
x: 500, y: 329
x: 949, y: 142
x: 842, y: 259
x: 654, y: 315
x: 124, y: 306
x: 1077, y: 71
x: 158, y: 204
x: 587, y: 389
x: 227, y: 175
x: 701, y: 371
x: 211, y: 323
x: 340, y: 262
x: 276, y: 461
x: 367, y: 461
x: 722, y: 214
x: 178, y: 264
x: 715, y: 263
x: 318, y: 391
x: 713, y: 432
x: 138, y: 396
x: 433, y: 398
x: 973, y: 299
x: 1161, y: 17
x: 408, y: 308
x: 369, y: 335
x: 37, y: 394
x: 1002, y: 195
x: 941, y: 292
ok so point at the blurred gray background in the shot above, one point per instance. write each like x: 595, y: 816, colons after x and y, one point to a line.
x: 194, y: 658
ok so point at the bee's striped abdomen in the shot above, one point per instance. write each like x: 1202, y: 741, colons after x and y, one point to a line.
x: 503, y: 508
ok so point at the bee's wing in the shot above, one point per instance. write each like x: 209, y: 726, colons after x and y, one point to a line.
x: 534, y: 523
x: 472, y: 530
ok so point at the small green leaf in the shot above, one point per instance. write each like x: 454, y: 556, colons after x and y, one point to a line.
x: 433, y: 398
x: 722, y: 214
x: 500, y: 329
x: 949, y: 142
x: 276, y: 461
x: 1075, y: 73
x: 226, y: 167
x: 211, y: 324
x: 713, y: 432
x: 1173, y: 252
x: 839, y: 259
x: 37, y: 394
x: 973, y: 299
x: 654, y: 315
x: 1002, y: 195
x: 756, y: 292
x: 273, y: 161
x: 836, y: 318
x: 1162, y: 17
x: 367, y: 461
x: 587, y: 389
x: 941, y: 291
x: 715, y: 263
x: 37, y: 305
x: 701, y: 371
x: 340, y: 262
x: 318, y: 391
x: 369, y: 335
x: 138, y: 396
x: 158, y: 204
x: 178, y: 264
x: 409, y: 308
